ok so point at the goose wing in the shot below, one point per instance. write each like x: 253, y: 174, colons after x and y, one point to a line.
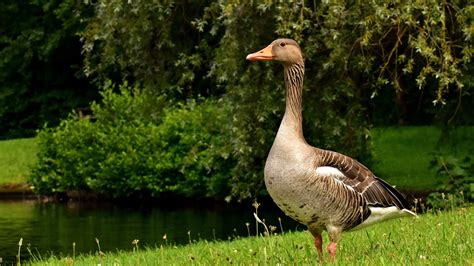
x: 355, y: 175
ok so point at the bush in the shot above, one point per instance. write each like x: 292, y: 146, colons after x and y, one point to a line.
x: 458, y: 185
x: 133, y: 148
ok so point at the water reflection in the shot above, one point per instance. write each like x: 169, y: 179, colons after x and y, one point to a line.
x: 50, y: 228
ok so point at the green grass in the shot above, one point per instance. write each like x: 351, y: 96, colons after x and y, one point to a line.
x: 16, y: 158
x: 441, y: 238
x: 402, y: 155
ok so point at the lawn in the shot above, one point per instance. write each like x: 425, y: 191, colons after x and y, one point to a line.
x: 16, y: 157
x: 402, y: 155
x: 437, y: 238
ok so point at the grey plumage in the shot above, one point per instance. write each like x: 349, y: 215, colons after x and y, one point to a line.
x: 322, y: 189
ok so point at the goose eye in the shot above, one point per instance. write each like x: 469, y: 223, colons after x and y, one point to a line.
x: 282, y: 44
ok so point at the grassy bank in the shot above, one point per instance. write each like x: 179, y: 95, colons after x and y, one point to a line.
x: 16, y: 157
x: 402, y: 155
x: 444, y: 238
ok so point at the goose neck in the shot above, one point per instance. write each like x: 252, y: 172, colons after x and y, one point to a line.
x: 293, y: 117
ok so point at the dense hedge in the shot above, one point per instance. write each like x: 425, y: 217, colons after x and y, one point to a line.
x: 180, y: 149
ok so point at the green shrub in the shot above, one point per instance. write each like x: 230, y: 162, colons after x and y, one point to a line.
x: 458, y: 185
x: 133, y: 148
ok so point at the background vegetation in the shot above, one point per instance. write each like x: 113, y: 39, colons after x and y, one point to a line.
x: 125, y: 153
x: 367, y: 64
x: 41, y: 64
x: 401, y: 155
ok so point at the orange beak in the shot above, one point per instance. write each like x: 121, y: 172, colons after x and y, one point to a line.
x: 264, y: 54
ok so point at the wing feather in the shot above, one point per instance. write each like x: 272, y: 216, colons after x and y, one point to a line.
x: 375, y: 191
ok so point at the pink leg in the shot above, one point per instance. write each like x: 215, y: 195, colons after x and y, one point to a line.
x: 332, y: 251
x: 318, y: 243
x: 334, y: 233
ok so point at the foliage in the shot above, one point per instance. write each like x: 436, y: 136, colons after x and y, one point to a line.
x: 258, y: 93
x: 458, y: 185
x: 428, y: 39
x: 153, y: 43
x: 40, y: 75
x: 396, y: 158
x: 127, y: 153
x: 409, y: 53
x: 363, y: 60
x: 440, y: 238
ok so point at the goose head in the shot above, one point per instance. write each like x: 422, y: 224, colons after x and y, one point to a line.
x: 286, y: 51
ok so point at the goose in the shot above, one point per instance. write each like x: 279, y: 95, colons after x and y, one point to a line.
x: 322, y: 189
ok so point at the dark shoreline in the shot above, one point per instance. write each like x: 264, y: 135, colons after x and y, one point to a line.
x: 17, y: 192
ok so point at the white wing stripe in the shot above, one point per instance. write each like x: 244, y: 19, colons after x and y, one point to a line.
x: 328, y: 171
x: 332, y: 172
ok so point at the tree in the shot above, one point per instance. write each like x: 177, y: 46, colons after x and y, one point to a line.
x: 219, y: 35
x: 153, y: 43
x: 40, y: 66
x: 418, y: 51
x: 360, y: 58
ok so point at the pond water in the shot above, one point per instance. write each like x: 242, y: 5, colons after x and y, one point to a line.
x: 52, y: 228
